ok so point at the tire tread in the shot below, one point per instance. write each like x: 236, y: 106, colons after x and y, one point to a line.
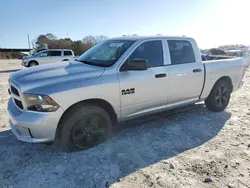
x: 68, y: 120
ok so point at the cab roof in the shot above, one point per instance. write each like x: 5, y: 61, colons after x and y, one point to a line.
x: 135, y: 38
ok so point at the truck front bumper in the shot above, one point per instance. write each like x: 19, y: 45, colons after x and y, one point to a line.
x: 35, y: 127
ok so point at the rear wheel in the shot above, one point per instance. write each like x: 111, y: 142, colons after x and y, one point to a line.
x: 84, y: 127
x: 33, y: 63
x: 219, y: 97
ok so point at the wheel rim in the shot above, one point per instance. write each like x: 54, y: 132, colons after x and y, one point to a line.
x: 221, y: 96
x: 89, y: 132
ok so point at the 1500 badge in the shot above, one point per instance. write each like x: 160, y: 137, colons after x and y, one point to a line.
x: 128, y: 91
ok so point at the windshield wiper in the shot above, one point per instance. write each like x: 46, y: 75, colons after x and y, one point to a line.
x: 87, y: 62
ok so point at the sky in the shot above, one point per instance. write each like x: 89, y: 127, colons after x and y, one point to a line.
x: 210, y: 22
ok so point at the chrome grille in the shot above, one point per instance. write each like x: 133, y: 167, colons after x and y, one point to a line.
x: 14, y: 90
x: 16, y: 96
x: 19, y: 103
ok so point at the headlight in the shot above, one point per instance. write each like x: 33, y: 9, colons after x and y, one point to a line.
x: 40, y: 103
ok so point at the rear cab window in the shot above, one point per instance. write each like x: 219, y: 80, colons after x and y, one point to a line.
x: 67, y: 53
x: 181, y: 52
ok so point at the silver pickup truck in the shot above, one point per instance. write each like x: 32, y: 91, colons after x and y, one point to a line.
x: 118, y: 79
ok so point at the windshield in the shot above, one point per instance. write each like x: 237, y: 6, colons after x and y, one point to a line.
x: 38, y: 54
x: 105, y: 53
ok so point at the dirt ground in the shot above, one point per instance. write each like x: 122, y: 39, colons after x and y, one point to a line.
x: 191, y: 147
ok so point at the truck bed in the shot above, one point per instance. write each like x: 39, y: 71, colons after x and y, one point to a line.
x: 216, y: 69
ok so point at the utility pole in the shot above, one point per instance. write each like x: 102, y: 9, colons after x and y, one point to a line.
x: 29, y: 42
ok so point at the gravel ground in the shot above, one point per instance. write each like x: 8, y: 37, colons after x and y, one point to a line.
x: 190, y: 147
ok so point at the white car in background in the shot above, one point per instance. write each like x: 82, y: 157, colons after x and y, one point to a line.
x: 48, y: 56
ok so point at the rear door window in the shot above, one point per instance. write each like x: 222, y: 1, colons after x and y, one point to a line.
x: 66, y: 53
x: 54, y: 53
x: 181, y: 52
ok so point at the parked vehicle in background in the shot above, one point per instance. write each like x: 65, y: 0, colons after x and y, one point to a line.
x: 235, y: 53
x: 118, y: 79
x: 206, y: 57
x: 48, y: 56
x: 246, y: 56
x: 240, y: 53
x: 214, y: 54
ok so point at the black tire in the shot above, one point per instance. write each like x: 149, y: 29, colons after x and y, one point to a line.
x: 219, y: 97
x: 77, y: 126
x: 65, y: 60
x: 33, y: 63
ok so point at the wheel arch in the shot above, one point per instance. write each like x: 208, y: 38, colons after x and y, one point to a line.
x: 211, y: 101
x: 95, y: 101
x: 227, y: 79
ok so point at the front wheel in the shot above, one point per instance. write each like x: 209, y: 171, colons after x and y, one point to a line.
x: 33, y: 63
x: 85, y: 126
x: 219, y: 97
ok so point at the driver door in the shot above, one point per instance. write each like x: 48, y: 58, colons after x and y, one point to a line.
x: 144, y: 91
x: 43, y: 57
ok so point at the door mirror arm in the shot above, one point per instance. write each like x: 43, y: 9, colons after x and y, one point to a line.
x: 135, y: 65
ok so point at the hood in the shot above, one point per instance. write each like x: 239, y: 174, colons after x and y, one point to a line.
x: 51, y: 75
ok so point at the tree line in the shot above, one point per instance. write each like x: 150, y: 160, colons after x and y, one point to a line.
x: 50, y: 41
x: 233, y: 47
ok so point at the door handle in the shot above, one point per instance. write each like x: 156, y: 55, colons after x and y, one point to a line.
x: 197, y: 70
x: 160, y: 75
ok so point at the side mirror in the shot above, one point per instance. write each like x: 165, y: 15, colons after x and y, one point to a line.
x: 135, y: 64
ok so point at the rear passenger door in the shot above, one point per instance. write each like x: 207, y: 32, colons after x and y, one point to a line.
x: 55, y: 56
x: 185, y: 73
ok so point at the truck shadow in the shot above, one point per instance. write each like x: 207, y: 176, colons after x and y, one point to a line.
x: 144, y: 142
